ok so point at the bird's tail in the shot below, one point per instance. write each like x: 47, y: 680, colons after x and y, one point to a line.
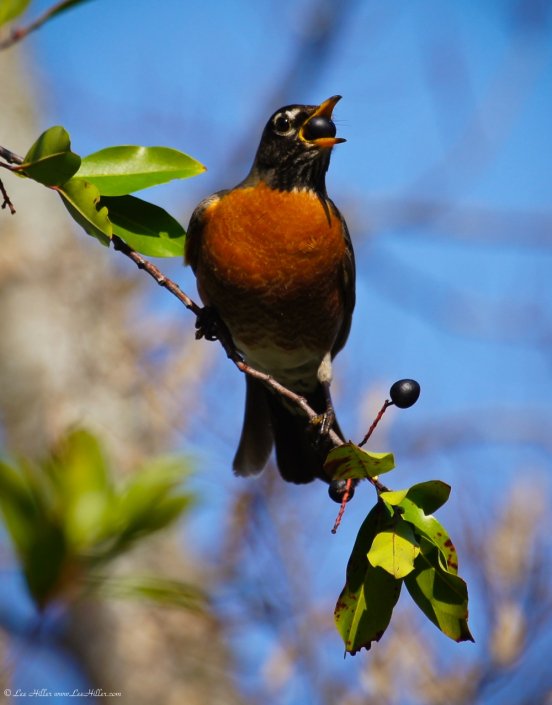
x: 270, y: 420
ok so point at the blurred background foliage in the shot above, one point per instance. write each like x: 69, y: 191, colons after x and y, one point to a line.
x: 445, y: 183
x: 67, y: 520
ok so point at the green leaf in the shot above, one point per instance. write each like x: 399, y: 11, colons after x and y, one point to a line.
x: 79, y: 473
x: 394, y: 498
x: 50, y: 160
x: 365, y: 606
x: 44, y: 564
x: 81, y: 198
x: 65, y: 518
x: 80, y: 464
x: 54, y: 170
x: 349, y: 461
x: 35, y: 533
x: 395, y: 548
x: 165, y: 513
x: 168, y: 593
x: 429, y: 527
x: 429, y: 496
x: 118, y: 171
x: 441, y: 596
x: 148, y: 504
x: 10, y: 9
x: 53, y: 141
x: 146, y: 228
x: 18, y: 508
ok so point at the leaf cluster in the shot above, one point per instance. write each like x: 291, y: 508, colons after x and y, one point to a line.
x: 399, y: 542
x: 67, y: 519
x: 95, y: 190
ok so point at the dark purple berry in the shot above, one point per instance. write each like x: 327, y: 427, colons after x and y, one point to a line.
x: 318, y: 127
x: 405, y: 393
x: 337, y: 488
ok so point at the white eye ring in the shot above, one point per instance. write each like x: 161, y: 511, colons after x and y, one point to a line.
x: 282, y: 124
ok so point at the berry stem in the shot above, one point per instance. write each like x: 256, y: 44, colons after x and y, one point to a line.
x: 376, y: 422
x: 343, y: 504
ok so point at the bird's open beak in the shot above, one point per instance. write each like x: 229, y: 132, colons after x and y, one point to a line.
x: 325, y: 109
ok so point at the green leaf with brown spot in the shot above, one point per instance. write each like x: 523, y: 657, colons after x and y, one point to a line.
x: 81, y: 200
x: 349, y: 461
x: 395, y: 548
x: 433, y: 530
x: 365, y: 606
x: 442, y: 596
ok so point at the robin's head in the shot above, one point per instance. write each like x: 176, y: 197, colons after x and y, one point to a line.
x: 296, y: 145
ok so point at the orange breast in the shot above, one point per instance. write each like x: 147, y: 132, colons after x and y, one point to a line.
x: 271, y: 263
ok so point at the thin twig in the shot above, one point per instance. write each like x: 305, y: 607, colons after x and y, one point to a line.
x: 343, y: 505
x: 377, y: 484
x: 18, y: 34
x: 160, y: 278
x: 376, y: 422
x: 7, y: 201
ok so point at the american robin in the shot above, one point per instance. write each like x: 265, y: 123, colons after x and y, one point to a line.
x: 273, y: 257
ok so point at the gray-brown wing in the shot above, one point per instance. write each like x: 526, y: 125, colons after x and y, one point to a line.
x: 349, y: 288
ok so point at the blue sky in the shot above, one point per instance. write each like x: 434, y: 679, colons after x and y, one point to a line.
x: 443, y: 103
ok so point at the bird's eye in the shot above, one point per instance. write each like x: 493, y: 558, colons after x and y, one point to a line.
x: 282, y: 124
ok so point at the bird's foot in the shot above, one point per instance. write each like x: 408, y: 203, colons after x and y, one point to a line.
x: 322, y: 425
x: 206, y: 324
x: 327, y: 421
